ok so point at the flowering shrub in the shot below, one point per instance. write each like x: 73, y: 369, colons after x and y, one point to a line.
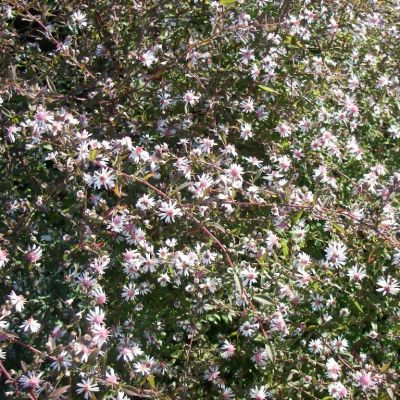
x: 200, y: 199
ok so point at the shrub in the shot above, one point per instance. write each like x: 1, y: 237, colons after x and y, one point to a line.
x: 200, y: 199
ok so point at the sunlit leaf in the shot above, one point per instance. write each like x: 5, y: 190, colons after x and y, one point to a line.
x: 285, y: 248
x: 151, y: 381
x: 238, y: 284
x: 270, y: 351
x: 263, y: 301
x: 268, y: 89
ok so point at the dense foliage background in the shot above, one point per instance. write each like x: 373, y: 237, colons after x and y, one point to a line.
x: 199, y: 199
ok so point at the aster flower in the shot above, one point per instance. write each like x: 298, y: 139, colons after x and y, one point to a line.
x: 30, y: 325
x: 340, y: 344
x: 31, y: 380
x: 148, y: 58
x: 125, y: 352
x: 246, y: 131
x: 34, y: 254
x: 190, y: 97
x: 315, y: 346
x: 105, y: 177
x: 249, y: 276
x: 284, y: 130
x: 169, y: 211
x: 259, y: 393
x: 87, y: 387
x: 130, y: 292
x: 396, y: 256
x: 138, y: 154
x: 204, y: 182
x: 18, y: 301
x: 212, y: 374
x: 206, y: 145
x: 227, y: 349
x: 356, y: 274
x: 142, y: 367
x: 12, y: 133
x: 388, y: 286
x: 111, y: 377
x: 86, y: 281
x: 3, y: 257
x: 364, y: 380
x: 247, y: 105
x: 234, y: 172
x: 247, y: 55
x: 336, y: 254
x: 333, y: 369
x: 120, y: 396
x: 145, y: 203
x: 227, y: 393
x: 259, y: 357
x: 100, y: 264
x: 96, y: 316
x: 247, y: 329
x: 337, y: 390
x: 63, y: 361
x: 78, y: 18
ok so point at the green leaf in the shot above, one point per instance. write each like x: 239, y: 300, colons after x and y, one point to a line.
x: 148, y: 176
x: 48, y: 147
x: 357, y: 305
x: 390, y: 393
x: 151, y: 381
x: 117, y: 190
x: 92, y: 155
x: 285, y: 248
x: 338, y: 228
x: 50, y: 85
x: 130, y: 390
x: 180, y: 188
x: 385, y: 367
x: 222, y: 136
x: 263, y: 301
x: 268, y: 89
x: 237, y: 282
x: 297, y: 217
x: 226, y: 2
x: 216, y: 226
x: 270, y: 351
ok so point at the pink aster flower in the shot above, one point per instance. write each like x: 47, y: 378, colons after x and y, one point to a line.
x: 3, y: 257
x: 190, y: 97
x: 31, y: 380
x: 30, y: 325
x: 18, y: 301
x: 333, y: 369
x: 34, y: 254
x: 259, y: 393
x: 169, y: 211
x: 336, y: 254
x: 227, y: 349
x: 105, y: 177
x: 337, y: 390
x: 364, y: 380
x: 87, y: 387
x: 388, y: 286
